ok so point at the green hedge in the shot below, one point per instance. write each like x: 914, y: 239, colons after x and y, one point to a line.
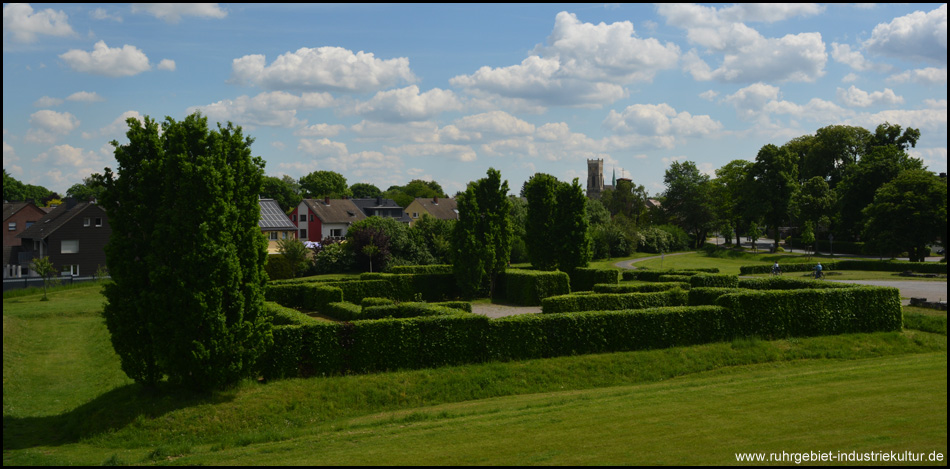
x: 714, y: 281
x: 647, y: 275
x: 797, y: 313
x: 408, y: 310
x: 640, y: 288
x: 309, y: 296
x: 283, y: 316
x: 529, y: 287
x: 422, y: 269
x: 868, y: 265
x: 612, y: 301
x: 789, y: 283
x: 418, y: 287
x: 584, y: 279
x: 420, y: 342
x: 702, y: 296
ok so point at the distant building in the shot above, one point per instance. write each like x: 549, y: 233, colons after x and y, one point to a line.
x: 595, y: 179
x: 73, y: 236
x: 318, y: 219
x: 443, y: 209
x: 17, y: 217
x: 275, y: 224
x: 380, y: 207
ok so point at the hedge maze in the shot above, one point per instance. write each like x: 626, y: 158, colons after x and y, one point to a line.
x: 408, y: 319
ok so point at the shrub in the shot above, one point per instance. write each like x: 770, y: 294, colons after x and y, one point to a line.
x: 584, y: 279
x: 709, y: 280
x: 529, y: 287
x: 309, y: 296
x: 612, y: 302
x: 641, y: 288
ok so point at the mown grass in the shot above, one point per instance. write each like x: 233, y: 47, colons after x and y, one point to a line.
x: 66, y: 402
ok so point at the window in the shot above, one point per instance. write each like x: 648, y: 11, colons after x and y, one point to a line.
x: 70, y: 270
x: 86, y: 221
x: 303, y: 234
x: 311, y: 217
x: 415, y: 214
x: 70, y: 246
x: 98, y: 222
x: 336, y: 233
x: 293, y: 218
x: 12, y: 226
x: 272, y: 235
x: 283, y: 235
x: 30, y: 223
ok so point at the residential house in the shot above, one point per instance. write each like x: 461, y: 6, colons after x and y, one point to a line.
x: 275, y: 224
x: 443, y: 209
x: 317, y: 219
x: 73, y: 236
x: 380, y: 207
x: 17, y: 217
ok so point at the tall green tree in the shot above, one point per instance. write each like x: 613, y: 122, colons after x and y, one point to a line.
x: 186, y: 254
x: 285, y: 191
x: 572, y: 238
x: 362, y: 190
x: 89, y: 189
x: 16, y: 191
x: 688, y: 200
x: 774, y: 182
x: 731, y: 194
x: 907, y: 214
x: 814, y: 201
x: 541, y: 193
x: 320, y: 184
x: 482, y: 235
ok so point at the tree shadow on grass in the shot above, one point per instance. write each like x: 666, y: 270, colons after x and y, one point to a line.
x: 110, y: 412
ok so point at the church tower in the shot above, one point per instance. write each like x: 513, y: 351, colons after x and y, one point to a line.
x: 595, y: 178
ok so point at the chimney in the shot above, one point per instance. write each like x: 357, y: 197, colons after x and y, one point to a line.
x: 69, y: 203
x: 326, y: 200
x: 435, y: 200
x: 379, y: 200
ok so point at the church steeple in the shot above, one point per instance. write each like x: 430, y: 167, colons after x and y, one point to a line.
x: 613, y: 181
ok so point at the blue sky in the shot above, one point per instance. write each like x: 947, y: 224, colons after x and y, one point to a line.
x: 385, y: 94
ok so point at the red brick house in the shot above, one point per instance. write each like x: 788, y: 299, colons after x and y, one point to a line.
x: 17, y: 217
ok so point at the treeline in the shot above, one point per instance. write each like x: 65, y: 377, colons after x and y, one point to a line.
x: 844, y: 182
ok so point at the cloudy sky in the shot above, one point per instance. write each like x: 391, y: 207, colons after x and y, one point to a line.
x: 385, y: 94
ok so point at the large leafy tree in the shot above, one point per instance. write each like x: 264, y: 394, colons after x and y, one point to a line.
x: 89, y: 189
x: 483, y: 233
x: 16, y: 191
x: 186, y: 255
x: 285, y: 191
x: 731, y: 195
x: 774, y: 182
x: 907, y: 214
x: 541, y: 193
x: 688, y: 200
x: 324, y: 184
x: 363, y: 190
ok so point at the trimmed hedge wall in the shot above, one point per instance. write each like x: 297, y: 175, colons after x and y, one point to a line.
x: 647, y: 275
x: 310, y: 296
x: 798, y: 313
x: 789, y: 283
x: 612, y: 301
x: 708, y: 295
x: 714, y: 281
x: 584, y: 279
x: 640, y: 288
x: 869, y: 265
x: 529, y: 287
x: 422, y: 269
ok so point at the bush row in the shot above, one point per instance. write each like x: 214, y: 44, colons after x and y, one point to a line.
x: 647, y: 275
x: 869, y: 265
x: 798, y: 313
x: 612, y: 301
x: 640, y: 288
x: 309, y: 296
x: 422, y: 269
x: 529, y: 287
x: 420, y: 342
x: 584, y: 279
x: 714, y: 281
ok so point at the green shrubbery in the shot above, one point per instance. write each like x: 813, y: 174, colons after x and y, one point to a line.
x: 529, y: 287
x: 641, y: 288
x: 868, y: 265
x: 612, y: 301
x: 584, y: 279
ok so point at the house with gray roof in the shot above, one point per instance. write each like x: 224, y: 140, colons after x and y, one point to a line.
x: 73, y: 236
x: 275, y: 224
x: 318, y: 219
x: 443, y: 209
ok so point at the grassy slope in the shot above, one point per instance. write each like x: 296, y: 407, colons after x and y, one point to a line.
x: 66, y: 402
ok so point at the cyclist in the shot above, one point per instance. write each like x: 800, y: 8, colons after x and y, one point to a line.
x: 776, y: 270
x: 818, y: 273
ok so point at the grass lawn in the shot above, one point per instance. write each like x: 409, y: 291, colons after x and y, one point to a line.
x: 66, y: 401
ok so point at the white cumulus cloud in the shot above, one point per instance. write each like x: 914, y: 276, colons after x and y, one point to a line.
x: 173, y: 12
x: 322, y: 69
x: 407, y: 104
x: 918, y: 36
x: 855, y: 97
x: 21, y: 22
x: 104, y: 60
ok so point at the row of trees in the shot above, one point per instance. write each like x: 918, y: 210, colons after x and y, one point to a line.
x: 840, y: 181
x: 288, y: 192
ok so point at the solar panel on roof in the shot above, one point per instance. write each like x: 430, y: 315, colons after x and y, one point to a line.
x: 272, y: 216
